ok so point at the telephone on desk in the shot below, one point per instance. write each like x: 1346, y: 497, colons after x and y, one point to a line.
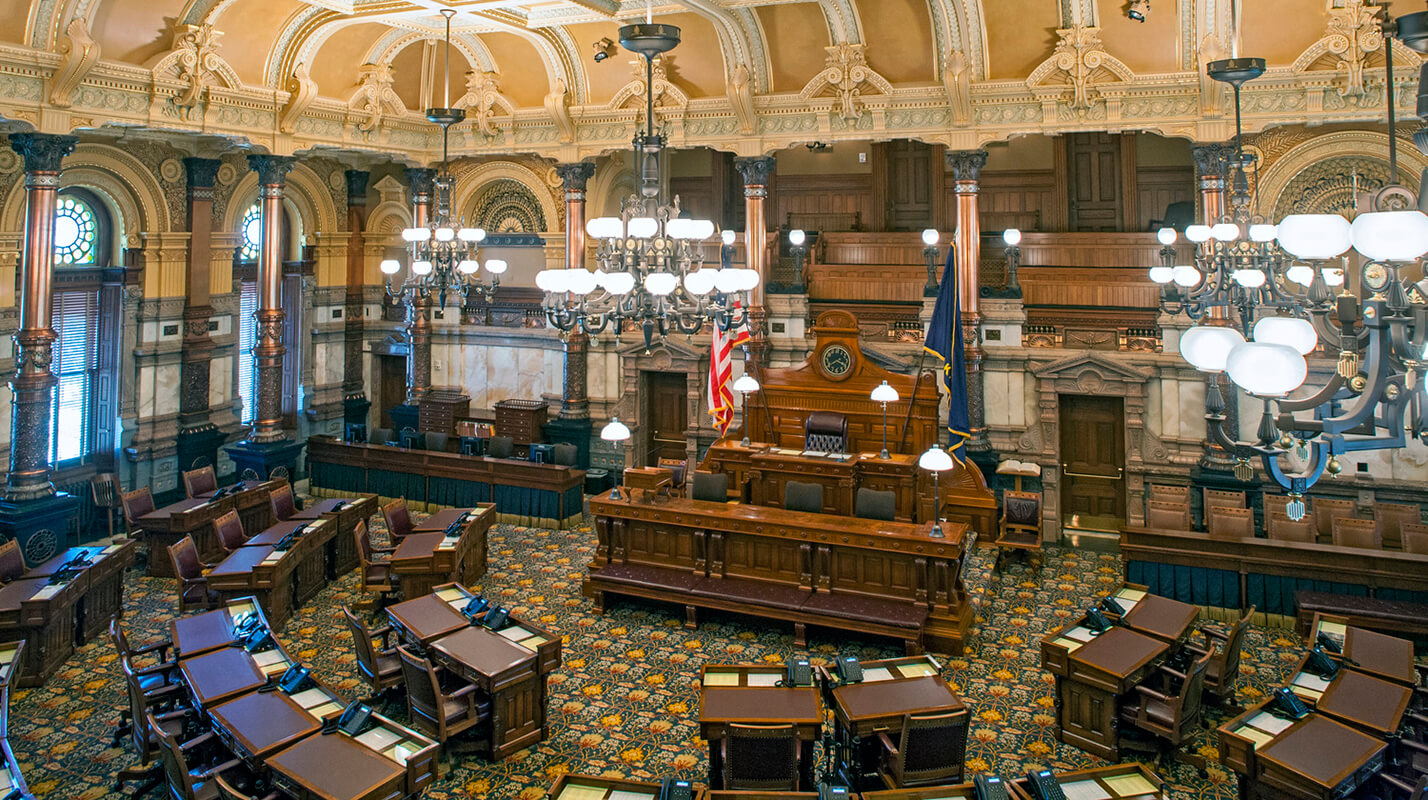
x: 1287, y: 704
x: 850, y: 670
x: 1043, y: 785
x: 1096, y: 621
x: 355, y: 720
x: 986, y: 786
x: 800, y: 673
x: 827, y: 791
x: 295, y: 679
x: 673, y: 789
x: 1110, y: 606
x: 474, y: 607
x: 258, y: 640
x: 244, y: 624
x: 1328, y: 642
x: 1319, y: 663
x: 496, y: 618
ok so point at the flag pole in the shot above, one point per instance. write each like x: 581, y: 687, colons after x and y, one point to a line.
x: 907, y: 420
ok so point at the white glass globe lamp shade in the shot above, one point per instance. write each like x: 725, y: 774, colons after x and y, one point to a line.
x: 444, y: 234
x: 1162, y: 274
x: 1225, y: 231
x: 797, y: 237
x: 467, y: 266
x: 661, y: 284
x: 748, y: 279
x: 1266, y: 370
x: 1011, y: 237
x: 703, y: 229
x: 1314, y: 237
x: 935, y: 459
x: 746, y: 384
x: 643, y: 227
x: 930, y: 237
x: 701, y: 282
x: 1185, y: 276
x: 391, y: 266
x: 1207, y: 346
x: 416, y: 234
x: 471, y: 234
x: 1301, y: 274
x: 495, y: 266
x: 884, y: 393
x: 1249, y: 278
x: 1166, y: 236
x: 727, y: 237
x: 580, y: 282
x: 605, y: 228
x: 1292, y: 332
x: 1263, y: 233
x: 1198, y: 233
x: 615, y: 431
x: 679, y: 228
x: 421, y: 267
x: 545, y: 280
x: 619, y: 283
x: 1391, y: 235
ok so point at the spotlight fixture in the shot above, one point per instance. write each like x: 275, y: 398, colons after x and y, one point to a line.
x: 818, y: 147
x: 1139, y: 10
x: 604, y: 49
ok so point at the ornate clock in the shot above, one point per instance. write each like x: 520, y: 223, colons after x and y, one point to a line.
x: 836, y: 361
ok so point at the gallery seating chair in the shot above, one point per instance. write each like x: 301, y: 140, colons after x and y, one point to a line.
x: 193, y: 577
x: 1328, y: 509
x: 1222, y: 497
x: 398, y: 519
x: 228, y: 529
x: 711, y: 486
x: 1415, y: 538
x: 441, y: 711
x: 376, y: 574
x: 1281, y: 528
x: 1278, y: 503
x: 928, y: 751
x: 199, y: 481
x: 1020, y: 527
x: 379, y: 665
x: 104, y: 492
x: 875, y: 504
x: 1171, y: 717
x: 799, y: 496
x: 826, y: 431
x: 761, y: 757
x: 501, y: 447
x: 12, y: 561
x: 1352, y: 532
x: 1391, y: 518
x: 1169, y: 494
x: 1172, y: 516
x: 187, y: 782
x: 282, y: 502
x: 1226, y: 522
x: 1224, y: 648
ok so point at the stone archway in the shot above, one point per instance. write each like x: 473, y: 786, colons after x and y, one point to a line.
x: 663, y: 357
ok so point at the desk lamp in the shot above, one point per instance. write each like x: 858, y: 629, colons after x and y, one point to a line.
x: 885, y: 394
x: 936, y: 460
x: 745, y: 386
x: 615, y: 431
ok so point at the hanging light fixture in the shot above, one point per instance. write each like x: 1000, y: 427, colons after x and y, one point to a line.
x: 650, y: 262
x: 445, y: 253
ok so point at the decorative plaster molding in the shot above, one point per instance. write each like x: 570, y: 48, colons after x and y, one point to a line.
x: 844, y: 75
x: 81, y: 53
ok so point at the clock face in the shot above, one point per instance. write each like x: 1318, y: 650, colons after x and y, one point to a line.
x: 1376, y: 277
x: 836, y: 361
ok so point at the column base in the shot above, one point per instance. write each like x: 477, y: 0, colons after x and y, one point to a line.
x: 405, y: 416
x: 355, y: 410
x: 572, y: 431
x: 41, y: 526
x: 263, y: 458
x: 198, y: 447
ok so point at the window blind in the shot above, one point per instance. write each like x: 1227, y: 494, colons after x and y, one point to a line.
x: 247, y: 335
x: 75, y: 316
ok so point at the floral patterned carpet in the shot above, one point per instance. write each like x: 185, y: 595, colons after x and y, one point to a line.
x: 625, y: 700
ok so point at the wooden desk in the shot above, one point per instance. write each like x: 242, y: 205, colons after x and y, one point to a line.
x: 221, y: 675
x: 425, y: 619
x: 1120, y: 781
x: 1365, y: 702
x: 1092, y: 673
x: 860, y: 710
x: 507, y: 673
x: 721, y: 705
x: 424, y: 560
x: 1318, y: 758
x: 346, y: 512
x: 282, y: 580
x: 1377, y: 654
x: 596, y: 787
x: 1159, y: 617
x: 258, y: 724
x: 103, y: 597
x: 10, y: 777
x: 194, y: 517
x: 881, y: 578
x: 336, y: 766
x: 524, y: 493
x: 211, y: 630
x: 771, y: 470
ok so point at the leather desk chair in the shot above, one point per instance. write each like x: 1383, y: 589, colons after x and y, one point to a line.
x: 158, y: 710
x: 1351, y: 532
x: 193, y: 577
x: 383, y: 436
x: 567, y: 454
x: 136, y: 504
x: 282, y: 502
x: 1172, y: 516
x: 1281, y: 528
x: 1391, y: 517
x: 12, y: 561
x: 1171, y: 719
x: 1328, y: 509
x: 185, y: 781
x: 436, y: 442
x: 156, y: 675
x: 501, y: 447
x: 376, y: 574
x: 799, y: 496
x: 825, y: 430
x: 761, y: 757
x: 875, y: 504
x: 1230, y: 523
x: 104, y: 492
x: 711, y: 486
x: 1224, y: 648
x: 199, y: 481
x: 928, y: 752
x: 229, y: 531
x: 380, y: 667
x: 1415, y: 538
x: 437, y: 710
x: 398, y: 519
x: 677, y: 468
x: 1020, y: 525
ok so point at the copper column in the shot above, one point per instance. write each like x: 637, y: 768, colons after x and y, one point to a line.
x: 197, y: 346
x: 354, y: 390
x: 269, y: 351
x: 966, y: 167
x: 574, y: 400
x: 34, y: 382
x: 756, y: 171
x: 423, y: 187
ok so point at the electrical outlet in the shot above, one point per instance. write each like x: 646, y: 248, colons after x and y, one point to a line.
x: 862, y: 158
x: 436, y: 365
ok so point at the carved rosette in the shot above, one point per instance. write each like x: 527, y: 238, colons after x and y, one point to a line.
x: 756, y: 171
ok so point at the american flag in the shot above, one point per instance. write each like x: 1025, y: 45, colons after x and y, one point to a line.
x: 721, y: 368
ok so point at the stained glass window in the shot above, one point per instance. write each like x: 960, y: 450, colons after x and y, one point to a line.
x: 252, y: 230
x: 76, y: 232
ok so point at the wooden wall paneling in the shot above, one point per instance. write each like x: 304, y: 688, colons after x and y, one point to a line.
x: 878, y: 212
x: 1073, y: 249
x: 1127, y: 190
x: 722, y: 178
x: 822, y: 202
x: 1013, y: 199
x: 1089, y: 288
x: 871, y: 248
x: 696, y: 195
x: 887, y: 283
x: 1157, y: 188
x: 939, y: 187
x: 1057, y: 217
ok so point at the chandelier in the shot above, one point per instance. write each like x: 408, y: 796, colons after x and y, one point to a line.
x: 650, y: 260
x: 444, y: 252
x: 1264, y: 297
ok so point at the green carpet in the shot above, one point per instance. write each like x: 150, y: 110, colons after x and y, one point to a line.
x: 625, y: 700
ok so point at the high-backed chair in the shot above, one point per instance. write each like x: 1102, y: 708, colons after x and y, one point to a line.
x: 1224, y: 648
x: 1351, y: 532
x: 282, y: 502
x: 761, y: 757
x: 677, y: 468
x: 136, y: 504
x: 1230, y: 523
x: 436, y: 710
x: 398, y: 519
x: 928, y: 752
x: 799, y: 496
x: 228, y: 529
x: 1170, y: 494
x: 381, y: 436
x: 436, y: 441
x: 1279, y: 503
x: 825, y: 430
x: 501, y: 447
x: 1223, y: 497
x: 711, y: 486
x: 12, y: 561
x: 1281, y: 528
x: 1171, y: 719
x: 1328, y: 509
x: 566, y: 454
x: 875, y: 504
x: 1173, y: 516
x: 192, y: 575
x: 104, y: 492
x: 185, y: 782
x: 1020, y: 526
x: 1391, y: 518
x: 199, y: 481
x: 158, y: 673
x: 1415, y: 538
x: 160, y: 709
x: 379, y: 665
x: 376, y: 575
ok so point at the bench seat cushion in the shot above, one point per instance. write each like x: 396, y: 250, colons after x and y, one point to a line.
x: 870, y: 609
x: 742, y: 590
x: 641, y: 575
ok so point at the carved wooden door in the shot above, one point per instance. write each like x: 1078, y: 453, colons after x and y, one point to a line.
x: 668, y: 415
x: 1093, y: 165
x: 1093, y: 462
x: 909, y: 186
x: 391, y: 385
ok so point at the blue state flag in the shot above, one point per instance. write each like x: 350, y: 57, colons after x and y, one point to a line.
x: 944, y: 340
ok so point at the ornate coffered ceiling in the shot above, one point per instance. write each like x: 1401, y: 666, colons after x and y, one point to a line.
x: 751, y: 76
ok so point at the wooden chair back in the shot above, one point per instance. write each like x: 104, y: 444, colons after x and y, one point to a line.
x: 761, y: 757
x: 677, y: 468
x: 1170, y: 494
x: 1279, y: 503
x: 199, y: 481
x: 1351, y: 532
x: 1391, y: 517
x: 1021, y: 509
x: 1190, y: 703
x: 1230, y: 523
x: 1221, y: 497
x: 931, y: 749
x: 280, y: 499
x: 362, y: 638
x: 12, y: 560
x: 227, y: 791
x: 1415, y: 538
x: 176, y: 766
x: 1328, y: 509
x: 398, y: 518
x: 141, y: 731
x: 183, y: 555
x: 104, y: 491
x: 229, y: 531
x: 1173, y: 516
x: 1229, y: 671
x: 424, y: 695
x: 1281, y: 528
x: 136, y: 504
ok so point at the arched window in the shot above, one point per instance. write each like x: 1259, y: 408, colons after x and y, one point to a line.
x: 251, y: 229
x: 78, y: 231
